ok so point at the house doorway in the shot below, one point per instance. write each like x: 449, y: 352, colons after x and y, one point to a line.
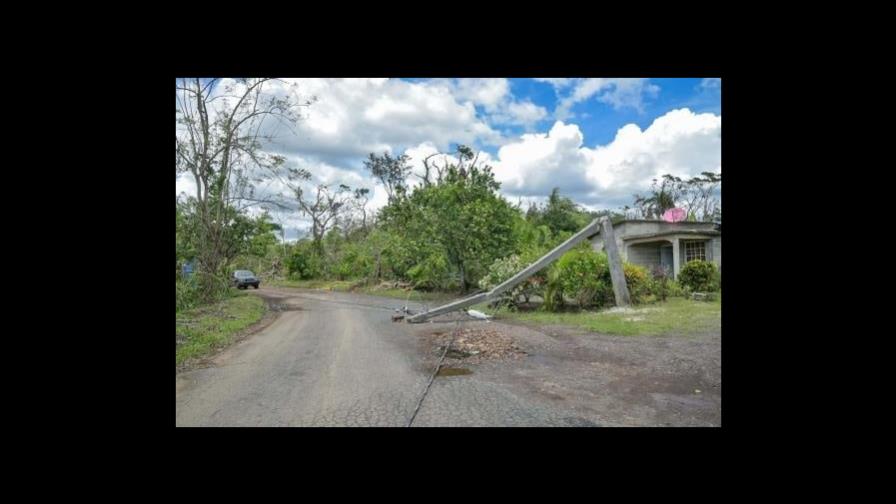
x: 666, y: 259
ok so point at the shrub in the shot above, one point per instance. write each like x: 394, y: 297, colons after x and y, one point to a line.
x: 353, y: 261
x: 660, y: 284
x: 432, y: 273
x: 580, y: 275
x: 675, y: 289
x: 190, y: 292
x: 304, y: 264
x: 499, y: 271
x: 637, y: 281
x: 504, y: 268
x: 187, y: 294
x: 553, y: 292
x: 699, y: 276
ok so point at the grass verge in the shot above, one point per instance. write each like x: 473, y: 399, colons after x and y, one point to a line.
x: 675, y: 316
x: 201, y: 330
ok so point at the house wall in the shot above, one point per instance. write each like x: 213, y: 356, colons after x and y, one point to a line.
x: 647, y: 255
x: 713, y: 250
x: 597, y: 243
x: 629, y: 229
x: 716, y: 247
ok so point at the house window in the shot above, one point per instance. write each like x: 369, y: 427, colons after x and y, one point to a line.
x: 694, y: 250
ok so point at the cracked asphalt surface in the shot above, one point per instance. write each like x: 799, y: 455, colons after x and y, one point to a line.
x: 336, y: 360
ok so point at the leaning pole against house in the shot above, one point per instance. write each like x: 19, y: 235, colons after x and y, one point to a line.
x: 617, y: 274
x: 534, y: 268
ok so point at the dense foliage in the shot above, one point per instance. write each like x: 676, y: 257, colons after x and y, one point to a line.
x: 448, y: 230
x: 699, y: 276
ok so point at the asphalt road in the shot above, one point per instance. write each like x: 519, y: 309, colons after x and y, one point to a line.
x: 338, y: 360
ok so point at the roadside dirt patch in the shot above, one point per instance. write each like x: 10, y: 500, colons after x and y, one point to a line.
x: 610, y: 380
x: 474, y: 345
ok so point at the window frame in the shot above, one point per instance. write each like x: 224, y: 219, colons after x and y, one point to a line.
x: 691, y: 249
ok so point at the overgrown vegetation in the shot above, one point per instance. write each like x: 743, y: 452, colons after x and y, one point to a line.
x: 445, y: 231
x: 201, y: 330
x: 700, y: 276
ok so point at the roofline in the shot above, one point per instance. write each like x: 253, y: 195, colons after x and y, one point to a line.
x: 668, y: 233
x: 662, y: 221
x: 713, y: 231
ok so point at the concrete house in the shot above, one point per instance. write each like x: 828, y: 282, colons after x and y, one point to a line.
x: 651, y: 243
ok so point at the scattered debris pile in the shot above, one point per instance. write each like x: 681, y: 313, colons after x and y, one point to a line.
x: 474, y: 345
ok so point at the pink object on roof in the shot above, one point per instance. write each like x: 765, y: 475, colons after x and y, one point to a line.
x: 674, y: 215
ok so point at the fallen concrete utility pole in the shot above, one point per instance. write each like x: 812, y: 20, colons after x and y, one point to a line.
x: 593, y: 228
x: 617, y: 274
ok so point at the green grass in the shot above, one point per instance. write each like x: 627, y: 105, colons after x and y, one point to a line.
x: 675, y: 316
x: 213, y: 326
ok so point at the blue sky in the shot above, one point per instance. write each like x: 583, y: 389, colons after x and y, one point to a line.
x: 599, y: 121
x: 600, y: 140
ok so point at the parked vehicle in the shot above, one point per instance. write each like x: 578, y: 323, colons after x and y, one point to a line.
x: 242, y: 279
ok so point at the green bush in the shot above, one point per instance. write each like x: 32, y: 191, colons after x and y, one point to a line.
x: 675, y: 289
x: 639, y: 284
x: 353, y: 261
x: 304, y: 264
x: 584, y: 276
x: 580, y: 275
x: 189, y: 291
x: 432, y: 273
x: 699, y: 276
x: 187, y: 294
x: 659, y: 285
x: 553, y: 291
x: 503, y: 269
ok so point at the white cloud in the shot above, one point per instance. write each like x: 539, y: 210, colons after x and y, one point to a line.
x: 711, y: 83
x: 489, y: 93
x: 680, y: 143
x: 556, y: 82
x: 539, y: 162
x: 616, y: 92
x: 354, y: 117
x: 522, y: 113
x: 496, y: 98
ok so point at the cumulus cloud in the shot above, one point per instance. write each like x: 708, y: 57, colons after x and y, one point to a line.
x: 356, y: 116
x: 541, y: 161
x: 490, y: 93
x: 353, y: 117
x: 520, y: 113
x: 711, y: 83
x: 680, y: 143
x: 616, y: 92
x: 556, y: 82
x: 496, y: 99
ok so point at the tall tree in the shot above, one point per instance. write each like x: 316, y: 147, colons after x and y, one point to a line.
x: 392, y: 172
x: 697, y: 196
x: 662, y: 197
x: 324, y: 207
x: 452, y: 229
x: 560, y: 214
x: 220, y: 131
